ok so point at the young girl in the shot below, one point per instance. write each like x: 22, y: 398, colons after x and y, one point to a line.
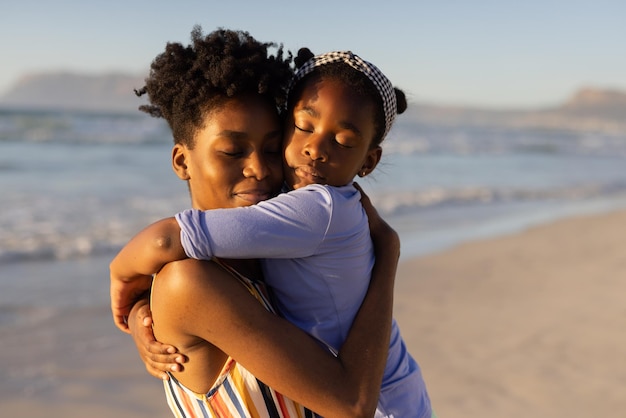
x: 314, y: 239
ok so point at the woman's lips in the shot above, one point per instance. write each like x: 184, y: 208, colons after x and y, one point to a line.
x: 253, y: 196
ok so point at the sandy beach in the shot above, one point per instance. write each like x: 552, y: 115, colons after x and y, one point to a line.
x: 524, y: 325
x: 527, y: 324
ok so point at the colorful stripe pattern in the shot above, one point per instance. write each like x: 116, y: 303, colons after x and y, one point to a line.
x: 236, y: 393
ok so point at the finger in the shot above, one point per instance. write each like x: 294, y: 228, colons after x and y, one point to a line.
x: 364, y: 197
x: 157, y: 348
x: 121, y: 323
x: 147, y: 321
x: 152, y: 345
x: 144, y: 315
x: 165, y: 363
x: 144, y: 312
x: 159, y: 353
x: 157, y: 361
x: 157, y: 373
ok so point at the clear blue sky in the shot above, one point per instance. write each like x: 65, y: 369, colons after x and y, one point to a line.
x: 490, y: 53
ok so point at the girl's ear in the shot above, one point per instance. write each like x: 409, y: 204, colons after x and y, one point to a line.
x: 371, y: 161
x: 179, y: 161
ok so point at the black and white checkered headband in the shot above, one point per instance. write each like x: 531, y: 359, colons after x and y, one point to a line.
x: 382, y: 83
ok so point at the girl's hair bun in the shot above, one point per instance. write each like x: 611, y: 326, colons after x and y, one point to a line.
x: 304, y: 54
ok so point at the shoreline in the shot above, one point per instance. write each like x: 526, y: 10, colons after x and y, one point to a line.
x: 531, y: 321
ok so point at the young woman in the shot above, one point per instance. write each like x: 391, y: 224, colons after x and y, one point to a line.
x: 220, y: 96
x: 316, y: 250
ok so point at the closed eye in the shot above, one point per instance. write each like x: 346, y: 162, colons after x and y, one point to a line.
x: 232, y: 154
x: 302, y: 129
x: 343, y: 144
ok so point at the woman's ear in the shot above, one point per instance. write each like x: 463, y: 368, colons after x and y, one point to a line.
x: 371, y: 161
x: 179, y: 161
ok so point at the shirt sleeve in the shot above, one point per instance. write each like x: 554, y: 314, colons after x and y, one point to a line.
x: 291, y: 225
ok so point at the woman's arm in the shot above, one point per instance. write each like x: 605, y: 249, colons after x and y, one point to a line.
x: 202, y: 301
x: 278, y: 353
x: 290, y: 226
x: 132, y: 269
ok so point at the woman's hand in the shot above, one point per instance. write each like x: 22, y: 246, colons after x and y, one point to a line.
x: 124, y: 294
x: 157, y: 357
x: 132, y: 268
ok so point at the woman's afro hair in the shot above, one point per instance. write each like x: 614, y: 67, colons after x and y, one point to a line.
x: 188, y: 82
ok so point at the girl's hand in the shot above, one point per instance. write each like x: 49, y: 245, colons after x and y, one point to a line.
x: 384, y: 237
x: 157, y: 357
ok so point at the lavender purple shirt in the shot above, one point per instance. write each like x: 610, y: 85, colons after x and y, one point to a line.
x: 317, y: 258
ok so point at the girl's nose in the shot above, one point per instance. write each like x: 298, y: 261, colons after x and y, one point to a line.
x: 316, y: 148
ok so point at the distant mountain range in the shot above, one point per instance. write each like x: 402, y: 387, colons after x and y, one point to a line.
x: 589, y: 109
x: 73, y: 91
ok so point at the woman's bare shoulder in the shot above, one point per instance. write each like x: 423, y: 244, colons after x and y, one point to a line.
x: 190, y: 268
x: 186, y: 280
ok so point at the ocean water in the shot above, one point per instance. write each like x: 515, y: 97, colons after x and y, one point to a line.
x: 74, y: 187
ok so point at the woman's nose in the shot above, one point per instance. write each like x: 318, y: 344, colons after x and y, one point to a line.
x: 256, y: 166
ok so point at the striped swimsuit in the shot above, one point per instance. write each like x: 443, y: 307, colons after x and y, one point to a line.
x: 236, y: 392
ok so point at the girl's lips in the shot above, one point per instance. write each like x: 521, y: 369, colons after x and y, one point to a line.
x: 309, y: 174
